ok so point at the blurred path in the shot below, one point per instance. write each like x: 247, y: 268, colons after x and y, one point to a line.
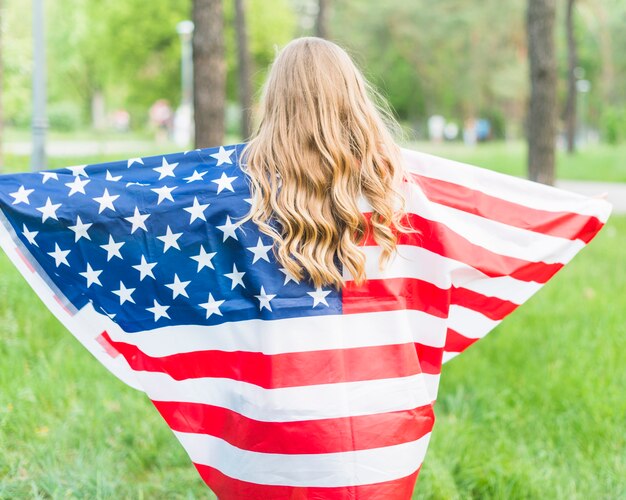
x: 83, y: 148
x: 616, y: 191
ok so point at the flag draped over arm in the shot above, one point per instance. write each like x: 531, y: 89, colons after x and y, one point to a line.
x: 276, y: 388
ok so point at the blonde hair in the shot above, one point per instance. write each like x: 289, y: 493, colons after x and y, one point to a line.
x: 320, y: 145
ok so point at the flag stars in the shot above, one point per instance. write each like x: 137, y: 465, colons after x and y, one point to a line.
x: 49, y: 210
x: 125, y: 294
x: 106, y: 201
x: 260, y: 251
x: 78, y: 170
x: 223, y: 156
x: 224, y: 182
x: 170, y: 239
x: 137, y: 220
x: 48, y: 175
x: 204, y: 259
x: 113, y: 248
x: 196, y: 176
x: 196, y: 210
x: 112, y: 178
x: 212, y: 306
x: 77, y: 185
x: 132, y: 161
x: 178, y: 287
x: 92, y: 276
x: 164, y: 192
x: 288, y: 276
x: 80, y: 229
x: 30, y: 235
x: 21, y: 195
x: 59, y: 256
x: 319, y: 296
x: 264, y: 300
x: 145, y: 268
x: 159, y: 311
x: 228, y: 229
x: 166, y: 169
x: 236, y: 276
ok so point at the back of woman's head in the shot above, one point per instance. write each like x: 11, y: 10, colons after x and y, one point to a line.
x: 320, y: 146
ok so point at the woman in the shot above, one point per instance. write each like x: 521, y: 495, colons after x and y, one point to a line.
x: 312, y: 372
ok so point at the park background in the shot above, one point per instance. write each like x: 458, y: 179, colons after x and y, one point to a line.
x: 536, y: 410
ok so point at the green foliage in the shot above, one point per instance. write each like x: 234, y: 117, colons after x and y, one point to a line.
x: 65, y: 116
x: 614, y: 125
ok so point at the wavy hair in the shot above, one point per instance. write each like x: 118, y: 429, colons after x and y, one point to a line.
x: 322, y: 144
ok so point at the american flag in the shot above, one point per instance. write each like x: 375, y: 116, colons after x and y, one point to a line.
x: 276, y: 388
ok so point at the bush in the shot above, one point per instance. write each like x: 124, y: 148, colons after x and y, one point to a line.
x: 614, y: 125
x: 65, y: 116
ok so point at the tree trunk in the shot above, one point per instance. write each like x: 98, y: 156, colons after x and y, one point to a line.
x: 542, y: 109
x: 572, y: 62
x: 209, y: 72
x: 321, y: 21
x: 243, y: 59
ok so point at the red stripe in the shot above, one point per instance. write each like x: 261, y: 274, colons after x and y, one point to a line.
x: 329, y: 435
x: 440, y: 239
x: 562, y: 224
x: 392, y: 294
x: 455, y: 342
x: 228, y: 488
x: 430, y: 358
x: 492, y: 307
x: 280, y: 370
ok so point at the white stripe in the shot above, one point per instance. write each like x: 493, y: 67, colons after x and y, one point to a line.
x: 289, y: 404
x: 447, y: 356
x: 495, y: 236
x: 506, y: 187
x: 471, y: 324
x: 350, y: 468
x: 419, y: 263
x: 289, y: 334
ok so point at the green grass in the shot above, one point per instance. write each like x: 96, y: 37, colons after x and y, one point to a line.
x: 596, y: 163
x: 535, y: 410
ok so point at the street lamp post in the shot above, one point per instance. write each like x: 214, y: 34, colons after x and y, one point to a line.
x: 183, y: 120
x: 39, y: 121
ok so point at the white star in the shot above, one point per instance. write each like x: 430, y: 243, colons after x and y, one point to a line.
x: 91, y: 276
x: 212, y: 306
x: 80, y: 229
x: 21, y: 195
x: 164, y: 192
x: 78, y: 170
x: 138, y: 221
x: 264, y: 300
x: 131, y: 161
x: 159, y: 311
x: 223, y: 156
x: 236, y: 276
x: 178, y: 287
x: 106, y: 201
x: 288, y: 276
x: 124, y: 293
x: 113, y: 248
x: 145, y: 268
x: 77, y: 185
x: 60, y: 256
x: 169, y: 239
x: 166, y: 169
x: 204, y: 259
x: 196, y: 176
x: 48, y: 175
x: 319, y: 296
x: 109, y: 177
x: 49, y: 211
x: 224, y: 182
x: 196, y: 210
x: 228, y: 229
x: 30, y: 235
x: 260, y: 251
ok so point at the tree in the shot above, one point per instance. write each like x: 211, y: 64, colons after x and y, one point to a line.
x: 321, y: 21
x: 209, y: 66
x: 542, y: 110
x: 572, y: 62
x: 243, y: 66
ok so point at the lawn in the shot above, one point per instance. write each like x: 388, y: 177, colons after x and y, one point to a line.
x: 535, y: 410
